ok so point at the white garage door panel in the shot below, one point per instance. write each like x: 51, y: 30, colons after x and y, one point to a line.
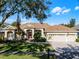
x: 71, y: 38
x: 59, y: 38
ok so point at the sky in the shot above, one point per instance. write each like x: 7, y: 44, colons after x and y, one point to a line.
x: 61, y: 12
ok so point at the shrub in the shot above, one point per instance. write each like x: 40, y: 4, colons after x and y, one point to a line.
x: 77, y: 40
x: 38, y: 38
x: 41, y: 39
x: 1, y: 38
x: 37, y: 35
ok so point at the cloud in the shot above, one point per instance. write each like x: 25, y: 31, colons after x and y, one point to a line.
x: 56, y: 9
x: 77, y: 8
x: 60, y: 10
x: 66, y: 11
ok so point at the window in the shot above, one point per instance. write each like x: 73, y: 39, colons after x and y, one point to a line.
x: 29, y: 33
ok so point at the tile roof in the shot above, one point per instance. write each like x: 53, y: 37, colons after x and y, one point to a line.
x: 48, y: 28
x: 59, y: 28
x: 34, y: 25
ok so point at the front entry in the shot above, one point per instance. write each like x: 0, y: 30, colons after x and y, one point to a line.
x: 29, y: 34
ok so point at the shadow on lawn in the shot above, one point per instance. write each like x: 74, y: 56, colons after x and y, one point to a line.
x: 10, y: 48
x: 23, y: 48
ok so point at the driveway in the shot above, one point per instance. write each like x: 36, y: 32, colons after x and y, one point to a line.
x: 66, y: 50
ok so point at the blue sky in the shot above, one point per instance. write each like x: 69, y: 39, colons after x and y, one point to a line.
x: 61, y: 11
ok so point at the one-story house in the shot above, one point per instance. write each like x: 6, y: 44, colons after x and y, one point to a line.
x: 51, y: 33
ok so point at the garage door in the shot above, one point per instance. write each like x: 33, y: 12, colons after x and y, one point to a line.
x: 57, y: 37
x: 71, y: 38
x: 62, y: 37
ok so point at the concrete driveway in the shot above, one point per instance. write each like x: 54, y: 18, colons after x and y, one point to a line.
x: 63, y: 44
x: 66, y: 50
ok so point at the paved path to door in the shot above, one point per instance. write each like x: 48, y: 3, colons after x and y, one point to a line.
x: 67, y: 50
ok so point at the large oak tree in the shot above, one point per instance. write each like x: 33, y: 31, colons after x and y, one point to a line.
x: 28, y: 8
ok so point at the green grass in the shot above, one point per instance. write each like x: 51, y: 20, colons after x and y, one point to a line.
x: 18, y: 57
x: 22, y: 48
x: 11, y: 56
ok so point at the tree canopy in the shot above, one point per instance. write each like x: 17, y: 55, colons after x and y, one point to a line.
x: 28, y: 8
x: 71, y: 23
x: 14, y: 23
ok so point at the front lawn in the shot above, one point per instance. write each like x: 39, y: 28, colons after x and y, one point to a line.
x: 21, y: 50
x: 18, y: 57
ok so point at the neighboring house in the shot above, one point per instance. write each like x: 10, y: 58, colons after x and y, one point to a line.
x: 51, y: 33
x: 77, y: 28
x: 8, y: 32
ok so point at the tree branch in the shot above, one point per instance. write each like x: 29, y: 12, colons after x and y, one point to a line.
x: 6, y: 16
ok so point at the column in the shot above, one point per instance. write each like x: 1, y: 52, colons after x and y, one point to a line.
x: 32, y: 33
x: 66, y: 36
x: 13, y: 34
x: 5, y: 34
x: 42, y: 33
x: 25, y: 30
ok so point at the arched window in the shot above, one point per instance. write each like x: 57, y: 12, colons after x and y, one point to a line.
x: 10, y: 35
